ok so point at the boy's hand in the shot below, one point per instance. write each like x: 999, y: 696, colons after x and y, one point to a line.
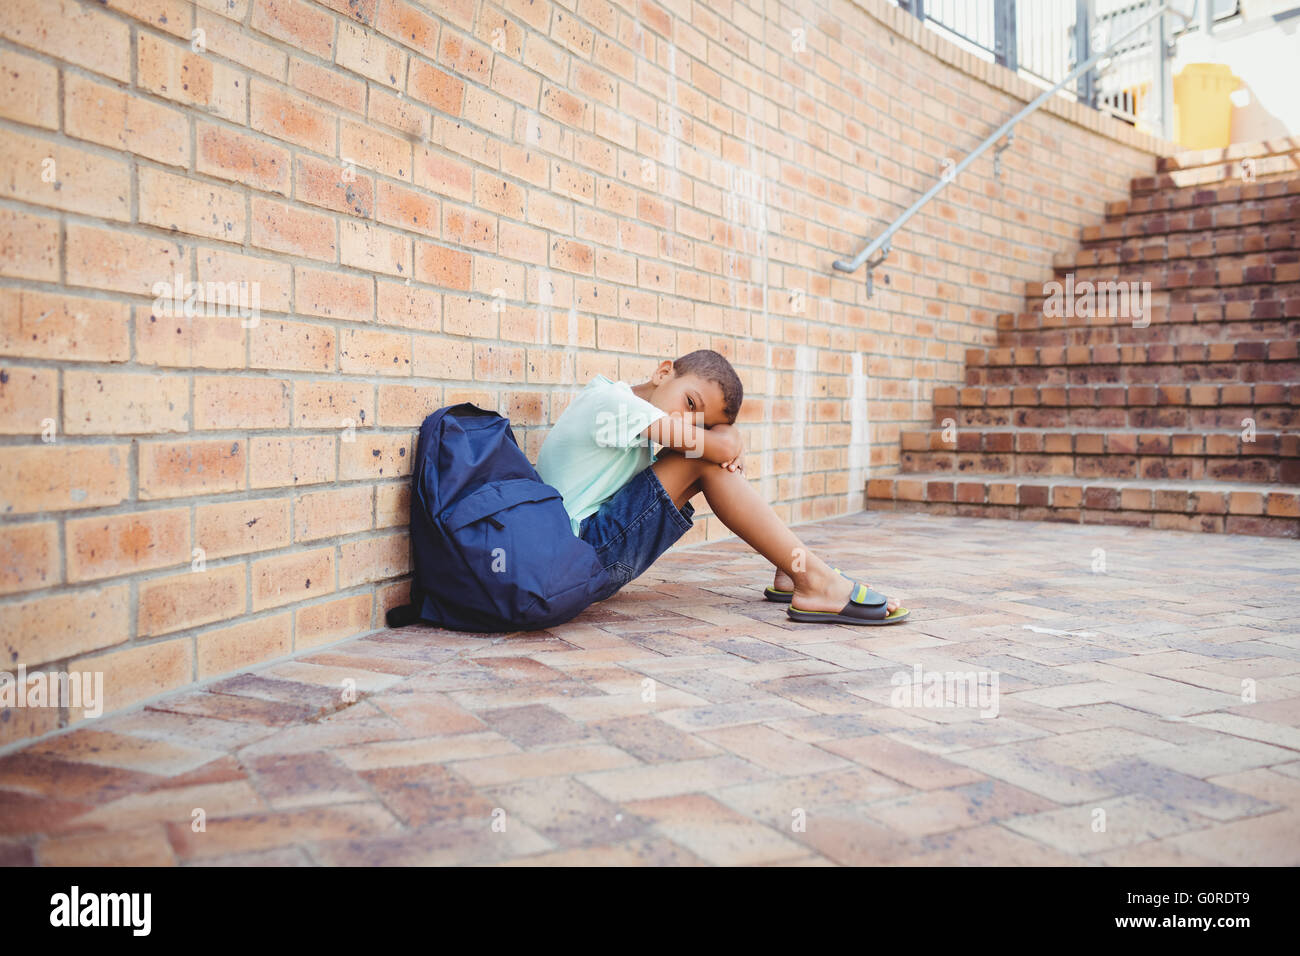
x: 736, y: 462
x: 676, y: 430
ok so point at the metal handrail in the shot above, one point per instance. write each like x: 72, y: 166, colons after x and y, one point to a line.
x: 882, y: 243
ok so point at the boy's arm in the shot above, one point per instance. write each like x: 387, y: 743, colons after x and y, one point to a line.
x: 718, y: 444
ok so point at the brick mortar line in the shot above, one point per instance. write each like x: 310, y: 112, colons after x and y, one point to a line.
x: 1191, y: 210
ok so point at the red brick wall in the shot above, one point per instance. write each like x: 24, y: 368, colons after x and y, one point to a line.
x: 539, y: 190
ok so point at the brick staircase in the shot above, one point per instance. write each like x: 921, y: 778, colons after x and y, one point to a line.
x: 1191, y: 421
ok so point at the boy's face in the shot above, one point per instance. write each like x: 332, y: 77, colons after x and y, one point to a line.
x: 687, y: 394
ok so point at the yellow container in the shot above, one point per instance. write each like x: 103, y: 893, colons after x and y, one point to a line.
x: 1202, y: 108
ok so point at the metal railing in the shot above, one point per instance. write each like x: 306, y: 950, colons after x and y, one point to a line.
x: 1124, y: 35
x: 1044, y: 40
x: 1136, y: 86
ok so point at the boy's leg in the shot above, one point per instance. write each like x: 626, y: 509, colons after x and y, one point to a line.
x: 742, y: 509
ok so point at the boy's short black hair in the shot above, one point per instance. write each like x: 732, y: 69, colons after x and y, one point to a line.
x: 710, y: 366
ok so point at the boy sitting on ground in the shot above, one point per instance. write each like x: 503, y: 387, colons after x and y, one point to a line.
x: 631, y: 505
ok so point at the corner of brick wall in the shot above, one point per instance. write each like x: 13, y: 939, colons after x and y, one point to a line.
x: 441, y: 202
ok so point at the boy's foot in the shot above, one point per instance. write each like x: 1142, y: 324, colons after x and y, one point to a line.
x: 829, y: 595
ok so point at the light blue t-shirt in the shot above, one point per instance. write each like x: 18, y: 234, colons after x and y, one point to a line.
x: 596, y: 447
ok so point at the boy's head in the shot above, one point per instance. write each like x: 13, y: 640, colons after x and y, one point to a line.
x: 700, y: 381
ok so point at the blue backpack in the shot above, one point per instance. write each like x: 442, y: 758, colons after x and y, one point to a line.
x: 493, y: 546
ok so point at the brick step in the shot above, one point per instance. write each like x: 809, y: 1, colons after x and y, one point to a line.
x: 1256, y: 202
x: 1271, y: 407
x: 1217, y: 456
x: 1263, y: 168
x: 1278, y: 277
x: 1112, y: 441
x: 1199, y: 158
x: 1270, y: 417
x: 1218, y: 320
x: 1152, y: 467
x: 1256, y: 300
x: 1271, y: 211
x: 1183, y: 414
x: 1188, y: 374
x: 1260, y: 509
x: 1143, y: 353
x: 1088, y: 369
x: 1167, y: 333
x: 1230, y: 269
x: 1193, y: 245
x: 1281, y: 394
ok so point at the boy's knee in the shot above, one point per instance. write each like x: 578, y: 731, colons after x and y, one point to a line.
x: 700, y: 465
x: 677, y: 453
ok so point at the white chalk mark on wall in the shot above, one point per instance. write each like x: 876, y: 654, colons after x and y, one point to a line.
x: 744, y: 207
x: 859, y: 436
x: 805, y: 369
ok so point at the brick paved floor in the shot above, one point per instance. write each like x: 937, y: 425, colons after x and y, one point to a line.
x: 686, y: 720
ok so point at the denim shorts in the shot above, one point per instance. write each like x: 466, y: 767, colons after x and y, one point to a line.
x: 635, y: 526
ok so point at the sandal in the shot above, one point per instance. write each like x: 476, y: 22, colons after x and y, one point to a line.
x: 865, y: 607
x: 783, y: 597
